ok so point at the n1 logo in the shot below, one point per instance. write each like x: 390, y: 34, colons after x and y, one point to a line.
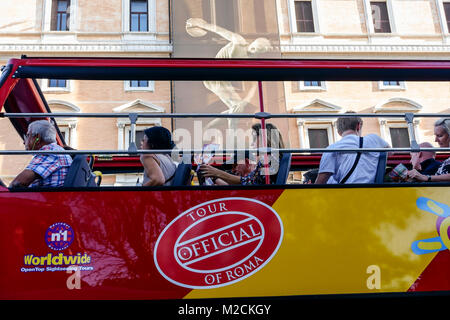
x: 59, y: 236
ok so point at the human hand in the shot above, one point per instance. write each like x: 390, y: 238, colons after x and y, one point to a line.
x: 195, y: 27
x: 195, y: 22
x: 209, y: 171
x: 416, y: 175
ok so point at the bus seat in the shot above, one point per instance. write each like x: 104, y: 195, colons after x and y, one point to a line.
x: 80, y: 174
x: 283, y: 170
x: 381, y: 168
x: 182, y: 175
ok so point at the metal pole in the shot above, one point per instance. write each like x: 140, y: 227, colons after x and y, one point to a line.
x: 132, y: 146
x: 263, y: 133
x: 409, y: 117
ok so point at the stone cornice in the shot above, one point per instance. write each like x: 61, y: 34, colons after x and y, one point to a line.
x: 124, y: 47
x: 86, y: 47
x: 364, y: 48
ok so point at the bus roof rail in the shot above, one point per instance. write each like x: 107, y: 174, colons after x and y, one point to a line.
x: 258, y: 115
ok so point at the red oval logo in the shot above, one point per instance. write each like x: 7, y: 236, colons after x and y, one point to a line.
x: 218, y: 243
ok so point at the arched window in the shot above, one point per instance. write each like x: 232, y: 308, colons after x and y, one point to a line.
x: 317, y: 132
x: 67, y: 126
x: 395, y: 130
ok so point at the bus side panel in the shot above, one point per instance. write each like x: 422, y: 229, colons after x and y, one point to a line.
x: 114, y: 234
x: 333, y: 241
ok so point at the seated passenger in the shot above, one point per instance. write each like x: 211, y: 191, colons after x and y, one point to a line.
x: 442, y: 133
x: 347, y: 167
x: 238, y: 169
x: 44, y: 170
x: 159, y: 169
x: 310, y: 176
x: 258, y: 175
x: 424, y: 161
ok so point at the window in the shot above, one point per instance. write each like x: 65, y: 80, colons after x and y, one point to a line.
x: 312, y: 86
x: 304, y: 16
x: 60, y: 15
x: 391, y: 85
x: 317, y: 132
x: 399, y: 137
x: 380, y: 17
x: 312, y: 83
x: 67, y: 126
x: 447, y: 14
x: 68, y: 130
x: 65, y: 133
x: 139, y: 15
x: 57, y: 83
x: 318, y: 138
x: 124, y: 124
x: 139, y: 20
x: 139, y: 85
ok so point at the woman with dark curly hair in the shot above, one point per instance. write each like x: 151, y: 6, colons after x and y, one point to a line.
x: 159, y: 169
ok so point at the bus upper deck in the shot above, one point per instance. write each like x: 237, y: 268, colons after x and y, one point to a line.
x: 24, y: 101
x: 185, y: 242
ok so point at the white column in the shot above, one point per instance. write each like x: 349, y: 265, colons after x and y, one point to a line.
x: 120, y: 136
x: 47, y: 14
x: 73, y: 135
x: 301, y: 133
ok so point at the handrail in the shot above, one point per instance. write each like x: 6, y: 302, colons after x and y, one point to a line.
x: 257, y: 115
x: 408, y: 116
x: 216, y: 152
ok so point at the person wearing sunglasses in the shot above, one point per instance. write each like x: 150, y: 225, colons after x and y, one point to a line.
x: 442, y: 137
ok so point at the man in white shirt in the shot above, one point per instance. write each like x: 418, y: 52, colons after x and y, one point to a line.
x: 335, y: 166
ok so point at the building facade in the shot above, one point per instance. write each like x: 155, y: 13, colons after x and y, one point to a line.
x: 311, y: 29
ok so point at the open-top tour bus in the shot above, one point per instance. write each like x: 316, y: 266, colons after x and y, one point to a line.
x: 85, y: 241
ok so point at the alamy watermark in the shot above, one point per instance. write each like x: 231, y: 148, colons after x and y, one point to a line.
x: 261, y: 146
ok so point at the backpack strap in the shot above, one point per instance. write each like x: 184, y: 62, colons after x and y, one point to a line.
x: 358, y: 155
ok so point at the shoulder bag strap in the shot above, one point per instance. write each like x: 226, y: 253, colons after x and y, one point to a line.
x: 358, y: 155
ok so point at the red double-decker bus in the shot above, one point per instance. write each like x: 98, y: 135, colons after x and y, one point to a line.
x: 191, y: 241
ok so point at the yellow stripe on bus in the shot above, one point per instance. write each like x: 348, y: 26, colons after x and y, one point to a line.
x: 352, y: 240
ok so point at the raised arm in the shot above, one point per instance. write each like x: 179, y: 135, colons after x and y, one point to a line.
x: 224, y: 33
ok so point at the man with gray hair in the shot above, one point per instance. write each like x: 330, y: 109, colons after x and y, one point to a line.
x: 350, y: 167
x: 44, y: 170
x: 424, y: 161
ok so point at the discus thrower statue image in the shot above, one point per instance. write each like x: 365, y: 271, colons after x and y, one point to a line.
x: 237, y: 47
